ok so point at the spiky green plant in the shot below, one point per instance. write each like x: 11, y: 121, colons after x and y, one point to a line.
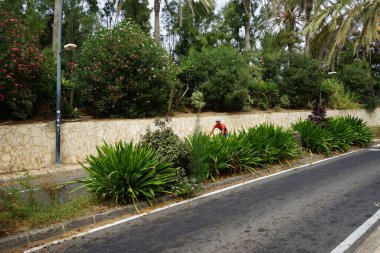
x: 242, y: 156
x: 314, y: 138
x: 360, y: 134
x: 126, y: 173
x: 342, y: 133
x: 272, y: 143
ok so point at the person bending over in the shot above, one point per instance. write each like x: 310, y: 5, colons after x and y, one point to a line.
x: 222, y: 127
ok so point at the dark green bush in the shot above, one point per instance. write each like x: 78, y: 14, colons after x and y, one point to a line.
x: 299, y: 77
x: 358, y: 80
x: 169, y: 146
x: 264, y: 95
x: 313, y: 137
x: 222, y: 74
x: 126, y: 173
x: 125, y: 73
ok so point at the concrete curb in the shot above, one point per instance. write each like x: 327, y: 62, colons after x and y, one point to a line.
x: 22, y: 239
x: 350, y: 245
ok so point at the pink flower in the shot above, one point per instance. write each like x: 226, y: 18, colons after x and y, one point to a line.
x: 15, y: 49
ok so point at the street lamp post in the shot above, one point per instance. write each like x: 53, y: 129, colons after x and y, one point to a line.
x: 58, y: 101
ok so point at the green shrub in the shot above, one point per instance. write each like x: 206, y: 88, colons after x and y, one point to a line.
x: 126, y: 173
x: 337, y: 97
x: 169, y: 146
x: 222, y: 74
x: 125, y: 73
x: 313, y: 137
x: 272, y: 143
x: 264, y: 95
x: 358, y: 80
x: 299, y: 77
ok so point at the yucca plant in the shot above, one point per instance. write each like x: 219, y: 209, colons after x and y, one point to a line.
x: 314, y: 138
x: 362, y: 134
x: 272, y: 143
x: 342, y: 133
x: 126, y: 173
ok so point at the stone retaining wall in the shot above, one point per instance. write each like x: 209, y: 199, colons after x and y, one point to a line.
x: 32, y: 146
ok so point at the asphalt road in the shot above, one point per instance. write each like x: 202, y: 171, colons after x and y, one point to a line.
x: 312, y: 209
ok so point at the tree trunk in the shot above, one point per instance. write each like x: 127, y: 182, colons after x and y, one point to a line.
x: 156, y: 33
x: 308, y: 8
x: 180, y: 12
x: 57, y: 13
x: 247, y: 25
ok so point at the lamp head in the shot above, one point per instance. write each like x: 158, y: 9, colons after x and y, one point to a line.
x: 70, y: 46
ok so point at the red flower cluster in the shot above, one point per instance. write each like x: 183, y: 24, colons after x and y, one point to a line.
x: 20, y: 61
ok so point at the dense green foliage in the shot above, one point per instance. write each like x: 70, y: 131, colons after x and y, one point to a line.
x: 336, y: 95
x: 124, y: 73
x: 313, y: 137
x: 300, y: 77
x: 358, y: 80
x: 127, y: 173
x: 340, y: 134
x: 224, y: 85
x: 272, y: 143
x: 169, y: 146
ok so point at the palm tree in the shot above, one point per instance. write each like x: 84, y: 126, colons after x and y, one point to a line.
x: 156, y: 33
x: 247, y: 24
x: 340, y: 20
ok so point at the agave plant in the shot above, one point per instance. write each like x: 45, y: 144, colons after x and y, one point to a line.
x: 126, y: 173
x: 313, y: 137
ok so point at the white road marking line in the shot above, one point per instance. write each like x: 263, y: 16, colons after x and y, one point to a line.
x: 90, y: 231
x: 360, y: 231
x: 373, y: 149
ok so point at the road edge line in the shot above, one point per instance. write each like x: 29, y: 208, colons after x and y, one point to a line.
x: 90, y: 231
x: 358, y: 236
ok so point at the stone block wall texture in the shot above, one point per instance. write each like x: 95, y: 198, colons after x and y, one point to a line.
x: 32, y: 146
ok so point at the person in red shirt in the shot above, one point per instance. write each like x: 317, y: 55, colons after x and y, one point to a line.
x: 222, y: 127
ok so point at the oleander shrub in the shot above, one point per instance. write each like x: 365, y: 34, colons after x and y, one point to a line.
x: 314, y: 138
x: 20, y: 67
x: 126, y: 173
x: 122, y: 72
x: 272, y: 143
